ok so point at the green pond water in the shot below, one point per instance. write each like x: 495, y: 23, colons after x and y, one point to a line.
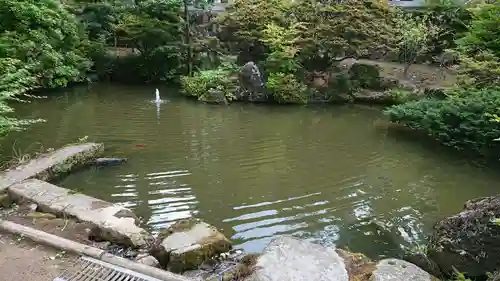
x: 332, y: 174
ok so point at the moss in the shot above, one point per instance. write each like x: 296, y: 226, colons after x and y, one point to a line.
x: 191, y: 259
x: 358, y: 266
x: 5, y: 200
x: 179, y: 226
x: 241, y: 271
x: 70, y: 164
x: 196, y: 254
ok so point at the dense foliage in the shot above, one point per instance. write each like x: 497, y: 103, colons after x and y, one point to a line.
x: 453, y: 19
x: 15, y: 81
x: 293, y: 41
x: 479, y: 49
x: 459, y: 121
x: 46, y: 38
x: 462, y: 119
x: 320, y: 34
x: 415, y: 35
x: 40, y: 47
x: 149, y: 34
x: 220, y: 79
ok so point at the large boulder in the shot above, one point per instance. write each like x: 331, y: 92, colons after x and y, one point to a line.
x: 399, y: 270
x: 187, y: 244
x: 470, y: 240
x: 287, y: 258
x: 214, y: 96
x: 251, y: 84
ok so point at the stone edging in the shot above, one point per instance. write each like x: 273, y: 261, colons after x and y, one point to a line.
x: 81, y: 249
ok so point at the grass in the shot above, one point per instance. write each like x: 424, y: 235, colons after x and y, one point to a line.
x: 20, y: 157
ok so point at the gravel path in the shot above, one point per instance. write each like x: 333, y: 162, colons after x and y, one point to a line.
x: 22, y: 260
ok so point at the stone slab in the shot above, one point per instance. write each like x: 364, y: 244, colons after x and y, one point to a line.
x: 398, y: 270
x: 290, y: 259
x: 115, y: 223
x: 52, y: 164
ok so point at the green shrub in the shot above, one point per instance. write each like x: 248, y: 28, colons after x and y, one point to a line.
x: 44, y: 35
x: 15, y: 81
x: 220, y: 79
x: 365, y: 76
x: 285, y: 88
x: 400, y: 95
x: 459, y: 120
x: 479, y: 49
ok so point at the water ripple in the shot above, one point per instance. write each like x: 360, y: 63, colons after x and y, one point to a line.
x: 324, y: 174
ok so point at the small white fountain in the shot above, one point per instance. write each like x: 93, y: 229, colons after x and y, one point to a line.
x: 158, y: 99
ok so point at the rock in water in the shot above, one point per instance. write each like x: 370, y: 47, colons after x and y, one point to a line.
x: 399, y: 270
x: 214, y: 97
x: 252, y: 86
x: 109, y: 161
x: 469, y: 240
x: 187, y: 243
x: 287, y: 259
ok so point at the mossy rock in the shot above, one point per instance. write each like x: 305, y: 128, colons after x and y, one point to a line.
x: 213, y: 96
x: 5, y: 201
x: 76, y: 161
x: 366, y: 76
x: 187, y: 244
x: 468, y: 241
x: 358, y: 266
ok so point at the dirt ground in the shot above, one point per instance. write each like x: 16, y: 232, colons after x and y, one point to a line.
x: 422, y: 76
x: 23, y: 260
x: 66, y: 228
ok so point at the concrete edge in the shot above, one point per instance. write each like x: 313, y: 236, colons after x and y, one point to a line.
x: 81, y: 249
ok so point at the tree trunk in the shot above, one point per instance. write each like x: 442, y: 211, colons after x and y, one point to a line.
x: 188, y: 40
x: 407, y: 68
x: 409, y: 63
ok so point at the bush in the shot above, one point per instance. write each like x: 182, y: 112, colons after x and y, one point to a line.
x: 220, y: 79
x: 453, y: 19
x: 285, y: 88
x: 15, y: 81
x: 46, y: 36
x: 458, y: 121
x: 365, y: 76
x: 399, y: 95
x: 479, y: 49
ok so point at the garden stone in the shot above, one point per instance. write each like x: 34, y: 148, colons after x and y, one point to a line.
x: 470, y: 240
x: 187, y: 244
x: 290, y: 259
x: 399, y: 270
x: 252, y: 87
x: 214, y: 97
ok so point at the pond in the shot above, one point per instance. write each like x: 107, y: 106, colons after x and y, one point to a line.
x: 332, y: 174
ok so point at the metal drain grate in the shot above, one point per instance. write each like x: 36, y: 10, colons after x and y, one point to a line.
x: 89, y: 269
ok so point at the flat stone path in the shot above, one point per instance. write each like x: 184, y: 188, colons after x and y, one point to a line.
x: 50, y: 164
x: 115, y: 223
